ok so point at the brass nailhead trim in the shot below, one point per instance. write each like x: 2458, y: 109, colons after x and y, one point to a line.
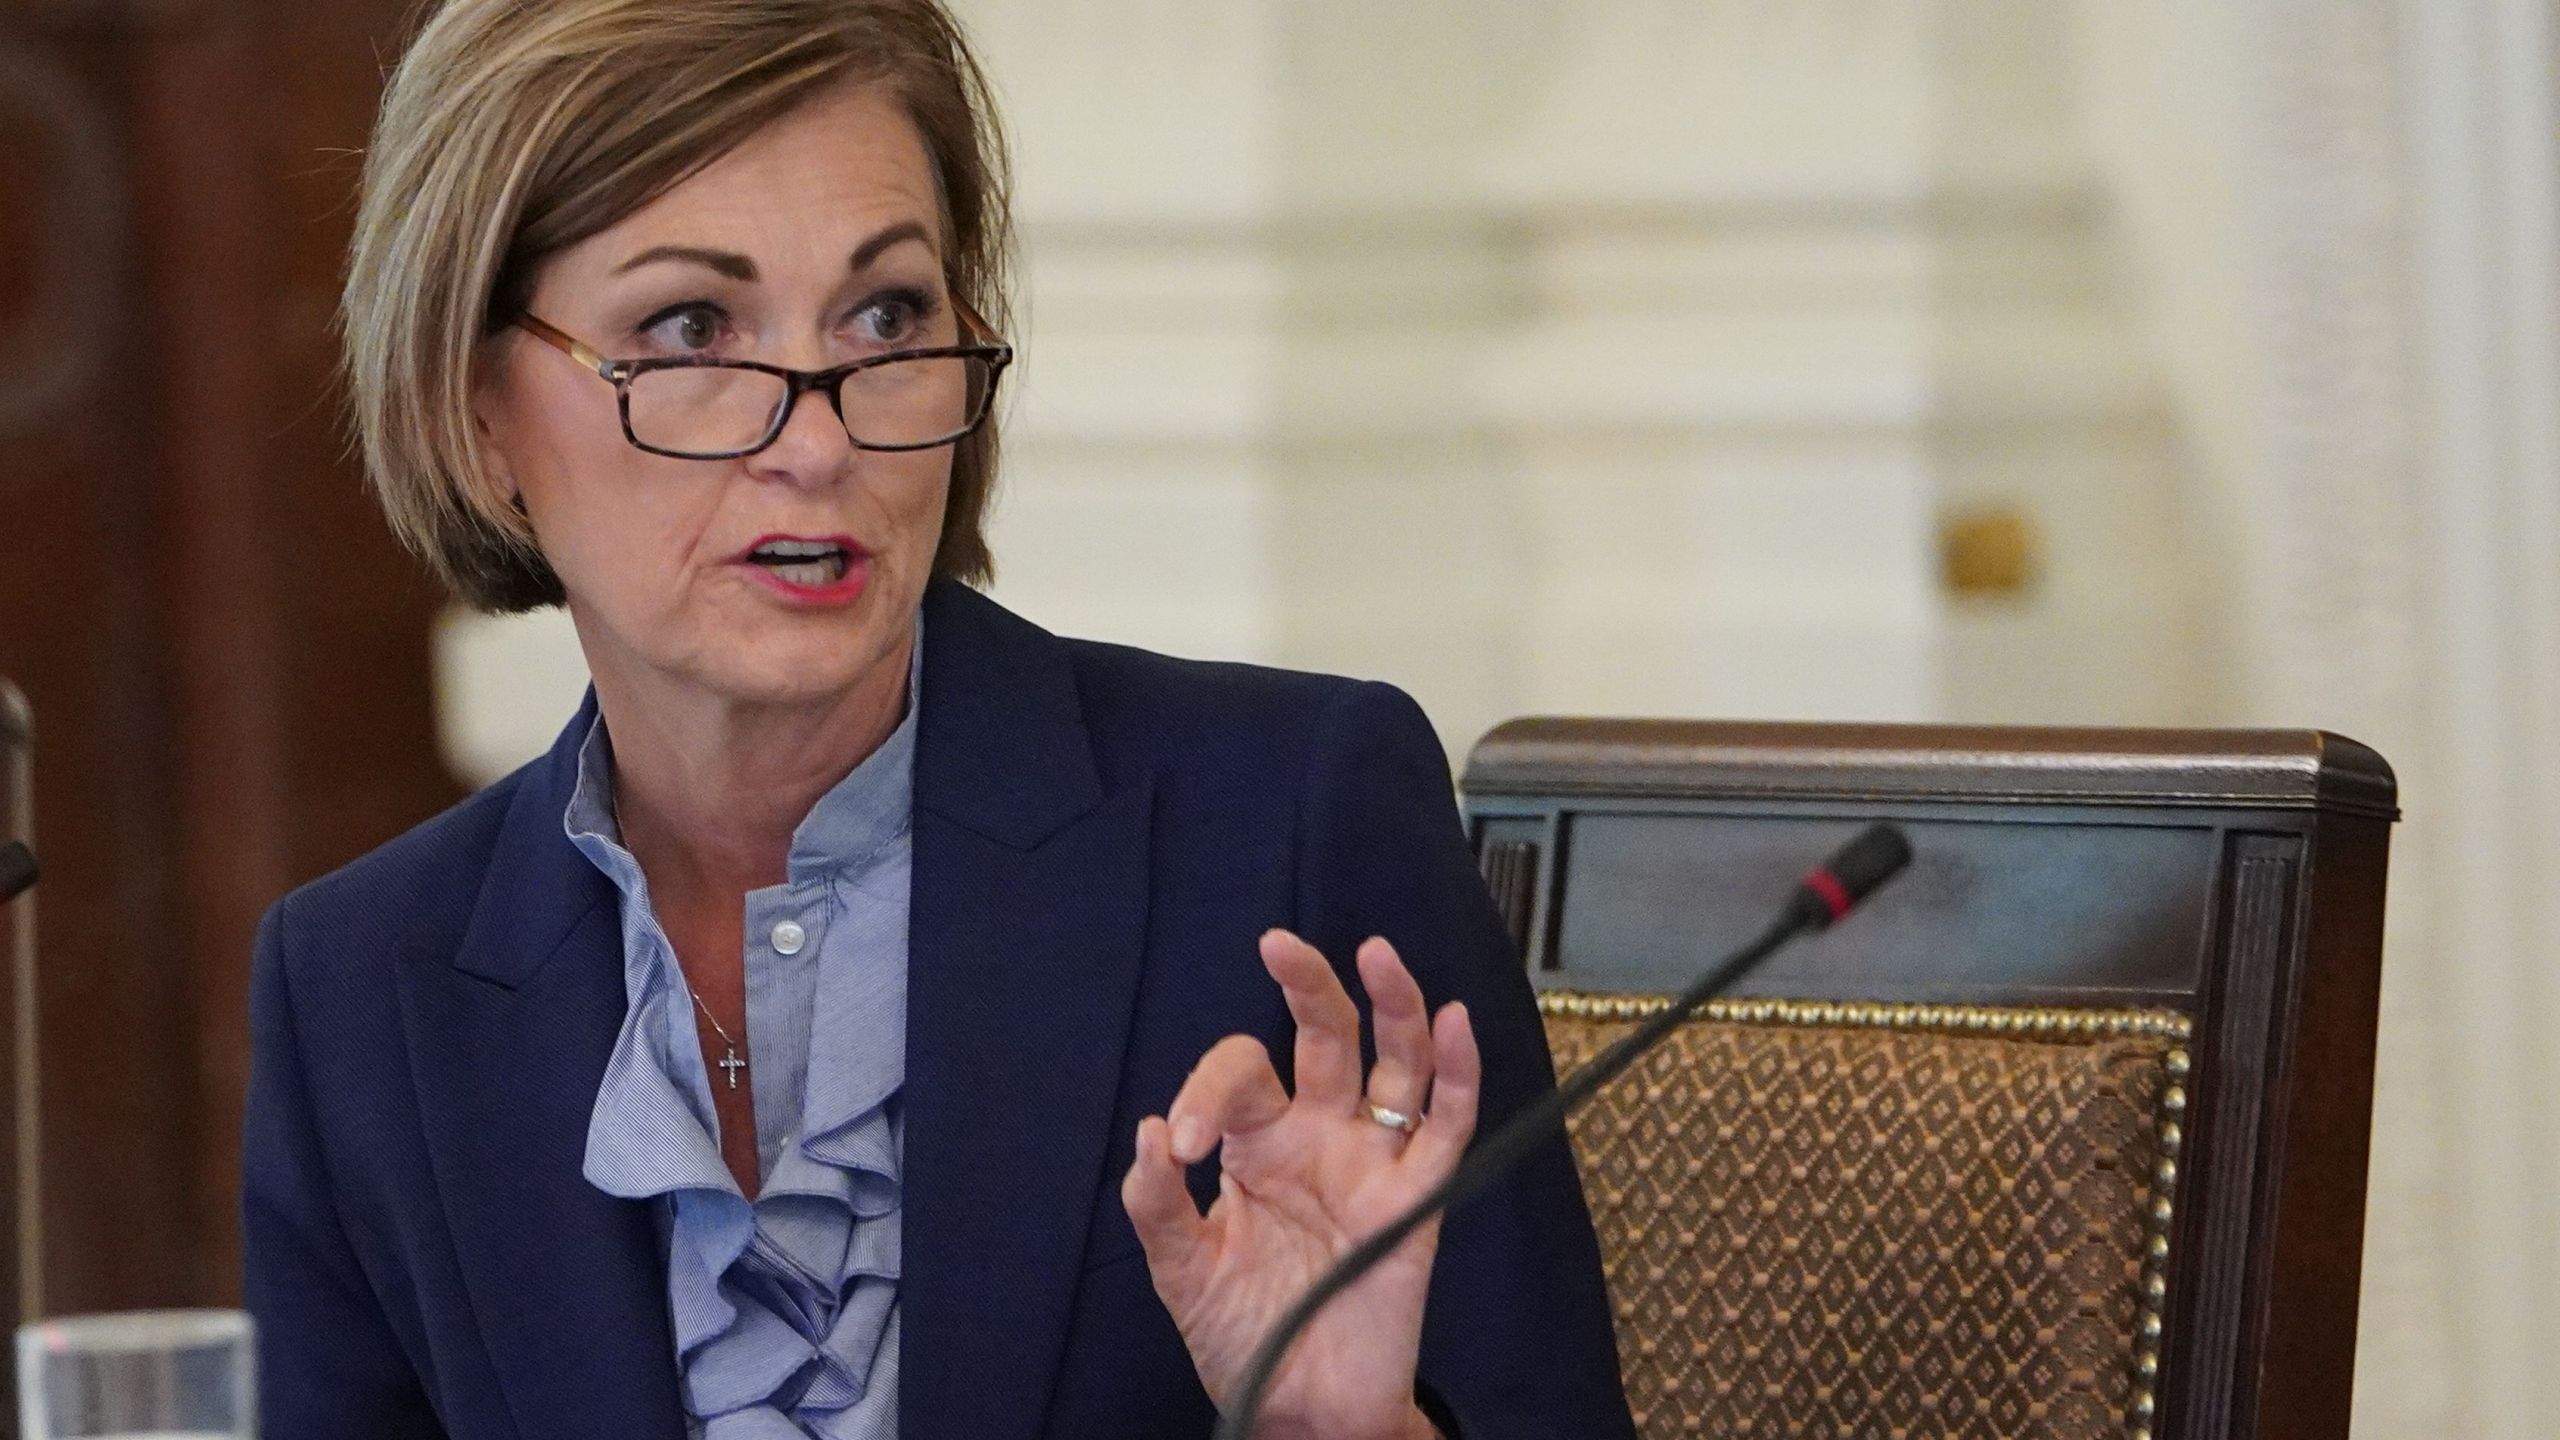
x: 2164, y: 1212
x: 2064, y: 1024
x: 1873, y: 1015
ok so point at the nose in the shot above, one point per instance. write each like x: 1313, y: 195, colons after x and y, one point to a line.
x: 813, y: 448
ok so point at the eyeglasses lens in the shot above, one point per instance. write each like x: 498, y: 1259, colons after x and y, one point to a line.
x: 900, y: 404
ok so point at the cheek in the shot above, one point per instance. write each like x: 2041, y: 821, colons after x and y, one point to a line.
x: 916, y: 493
x: 613, y: 521
x: 933, y: 499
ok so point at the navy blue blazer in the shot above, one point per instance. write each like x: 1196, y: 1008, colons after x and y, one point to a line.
x: 1100, y: 835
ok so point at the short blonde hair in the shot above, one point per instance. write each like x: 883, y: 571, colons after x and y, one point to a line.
x: 513, y: 129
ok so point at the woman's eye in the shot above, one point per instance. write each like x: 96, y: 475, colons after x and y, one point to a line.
x: 892, y: 319
x: 685, y: 329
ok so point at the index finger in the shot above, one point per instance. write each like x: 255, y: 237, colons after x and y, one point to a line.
x: 1230, y: 1092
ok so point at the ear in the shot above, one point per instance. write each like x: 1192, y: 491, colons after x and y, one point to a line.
x: 489, y: 417
x: 494, y: 463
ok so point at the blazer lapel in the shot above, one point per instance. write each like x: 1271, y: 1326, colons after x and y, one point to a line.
x: 1025, y: 936
x: 508, y: 1039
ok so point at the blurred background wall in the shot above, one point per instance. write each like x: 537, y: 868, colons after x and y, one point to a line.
x: 2190, y: 362
x: 228, y: 658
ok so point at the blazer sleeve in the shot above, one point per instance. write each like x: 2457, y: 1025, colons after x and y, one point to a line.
x: 329, y: 1364
x: 1516, y: 1340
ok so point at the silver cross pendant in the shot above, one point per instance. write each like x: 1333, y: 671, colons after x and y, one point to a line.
x: 732, y: 1065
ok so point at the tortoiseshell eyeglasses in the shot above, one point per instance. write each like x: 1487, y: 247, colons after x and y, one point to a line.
x: 701, y: 407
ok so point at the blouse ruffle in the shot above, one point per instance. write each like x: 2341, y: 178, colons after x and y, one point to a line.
x: 785, y: 1309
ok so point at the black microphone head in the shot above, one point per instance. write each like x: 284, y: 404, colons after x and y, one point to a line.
x: 17, y: 871
x: 1855, y: 870
x: 1877, y: 854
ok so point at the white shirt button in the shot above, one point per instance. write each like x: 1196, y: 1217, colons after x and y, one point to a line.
x: 788, y: 937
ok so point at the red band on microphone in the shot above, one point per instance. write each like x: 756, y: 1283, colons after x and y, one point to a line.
x: 1827, y: 888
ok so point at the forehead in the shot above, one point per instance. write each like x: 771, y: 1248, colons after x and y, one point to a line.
x: 803, y: 191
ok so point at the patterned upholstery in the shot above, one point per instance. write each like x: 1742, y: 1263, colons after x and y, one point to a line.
x: 1884, y: 1223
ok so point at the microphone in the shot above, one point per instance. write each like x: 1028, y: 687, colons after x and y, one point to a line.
x: 17, y: 871
x: 1822, y: 899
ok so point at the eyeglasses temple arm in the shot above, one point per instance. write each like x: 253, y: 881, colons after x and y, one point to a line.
x: 560, y: 340
x: 986, y: 333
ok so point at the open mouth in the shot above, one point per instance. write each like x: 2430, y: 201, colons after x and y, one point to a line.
x: 812, y: 563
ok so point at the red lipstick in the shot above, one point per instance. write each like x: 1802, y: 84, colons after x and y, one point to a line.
x: 809, y: 571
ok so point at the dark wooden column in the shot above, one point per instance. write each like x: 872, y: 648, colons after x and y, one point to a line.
x: 210, y: 277
x: 226, y: 653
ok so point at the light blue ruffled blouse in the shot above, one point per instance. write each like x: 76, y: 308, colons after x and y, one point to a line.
x: 786, y: 1309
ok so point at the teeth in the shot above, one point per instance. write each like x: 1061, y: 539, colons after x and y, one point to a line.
x: 798, y: 549
x: 814, y: 574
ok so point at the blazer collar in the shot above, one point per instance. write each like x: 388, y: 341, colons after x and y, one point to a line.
x: 1001, y: 746
x: 537, y: 886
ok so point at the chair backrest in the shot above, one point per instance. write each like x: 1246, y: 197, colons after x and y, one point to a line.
x: 2063, y: 1135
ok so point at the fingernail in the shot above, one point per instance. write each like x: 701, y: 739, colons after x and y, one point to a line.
x: 1188, y: 1139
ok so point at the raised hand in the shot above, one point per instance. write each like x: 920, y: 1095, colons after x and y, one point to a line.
x: 1302, y: 1179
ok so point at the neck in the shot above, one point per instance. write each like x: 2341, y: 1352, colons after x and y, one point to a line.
x: 709, y: 791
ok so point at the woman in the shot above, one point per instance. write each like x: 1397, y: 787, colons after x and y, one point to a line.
x: 680, y: 313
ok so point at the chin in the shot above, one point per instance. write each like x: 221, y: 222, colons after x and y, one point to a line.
x: 780, y: 677
x: 754, y: 657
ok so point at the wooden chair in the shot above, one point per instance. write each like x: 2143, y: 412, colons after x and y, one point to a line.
x: 2063, y: 1135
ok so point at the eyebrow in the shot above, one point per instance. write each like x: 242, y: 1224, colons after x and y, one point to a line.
x: 738, y: 267
x: 729, y: 263
x: 905, y: 230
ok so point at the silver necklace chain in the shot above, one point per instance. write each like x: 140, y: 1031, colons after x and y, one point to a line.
x: 733, y: 1062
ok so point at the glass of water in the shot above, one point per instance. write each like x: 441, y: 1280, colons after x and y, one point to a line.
x: 147, y: 1375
